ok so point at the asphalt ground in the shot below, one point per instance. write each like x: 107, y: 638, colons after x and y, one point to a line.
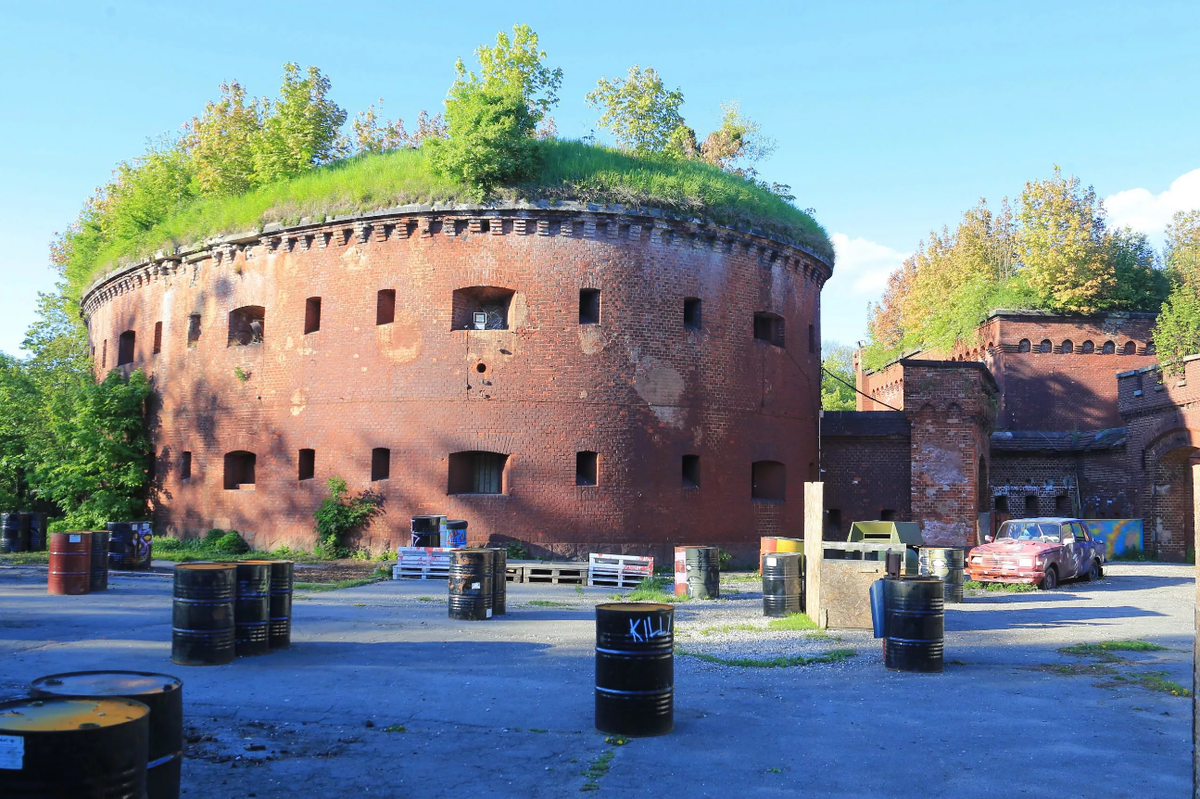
x: 382, y: 695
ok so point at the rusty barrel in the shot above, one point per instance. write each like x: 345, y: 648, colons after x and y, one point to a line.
x: 161, y: 693
x: 252, y: 608
x: 635, y: 668
x: 782, y: 583
x: 279, y: 630
x: 76, y: 748
x: 10, y: 533
x: 947, y: 564
x: 70, y: 563
x: 98, y: 576
x: 470, y: 584
x: 202, y: 614
x: 499, y: 581
x: 35, y: 522
x: 913, y: 624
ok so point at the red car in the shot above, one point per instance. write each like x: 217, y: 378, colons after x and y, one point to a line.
x: 1042, y: 552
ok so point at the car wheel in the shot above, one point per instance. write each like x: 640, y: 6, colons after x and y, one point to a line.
x: 1050, y: 581
x: 1093, y: 573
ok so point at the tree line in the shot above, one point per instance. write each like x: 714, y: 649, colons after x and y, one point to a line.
x: 1054, y: 251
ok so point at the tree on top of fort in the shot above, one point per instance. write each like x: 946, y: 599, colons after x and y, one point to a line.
x: 1178, y: 332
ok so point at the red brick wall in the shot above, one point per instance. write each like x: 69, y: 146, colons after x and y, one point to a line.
x: 951, y: 407
x: 638, y: 388
x: 1162, y: 423
x: 1041, y: 391
x: 863, y: 477
x: 1103, y: 478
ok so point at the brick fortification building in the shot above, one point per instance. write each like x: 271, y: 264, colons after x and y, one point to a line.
x: 1053, y: 429
x: 576, y: 379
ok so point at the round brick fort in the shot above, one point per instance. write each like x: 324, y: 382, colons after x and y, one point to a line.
x: 578, y: 379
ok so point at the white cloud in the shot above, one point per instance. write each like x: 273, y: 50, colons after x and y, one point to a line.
x: 859, y: 278
x: 863, y: 266
x: 1150, y: 213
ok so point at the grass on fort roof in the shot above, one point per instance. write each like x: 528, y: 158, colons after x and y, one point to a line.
x: 570, y: 170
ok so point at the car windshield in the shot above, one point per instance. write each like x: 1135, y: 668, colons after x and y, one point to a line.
x: 1029, y: 531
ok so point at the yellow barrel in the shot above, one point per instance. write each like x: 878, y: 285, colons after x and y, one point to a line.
x: 774, y: 543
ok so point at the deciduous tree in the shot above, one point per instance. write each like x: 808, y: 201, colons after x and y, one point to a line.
x: 639, y: 110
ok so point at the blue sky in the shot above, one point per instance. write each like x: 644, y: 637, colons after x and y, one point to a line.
x: 891, y: 118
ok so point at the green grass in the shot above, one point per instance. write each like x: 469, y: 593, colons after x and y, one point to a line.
x: 1155, y: 681
x: 741, y: 577
x: 781, y: 662
x: 597, y: 769
x: 652, y: 589
x: 187, y: 550
x: 1003, y: 588
x: 336, y: 585
x: 396, y: 728
x: 547, y: 603
x: 428, y: 599
x: 25, y: 558
x: 570, y: 170
x: 796, y: 621
x: 1098, y: 650
x: 721, y: 629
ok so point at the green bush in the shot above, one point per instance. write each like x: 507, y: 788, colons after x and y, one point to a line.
x: 232, y: 544
x: 340, y: 515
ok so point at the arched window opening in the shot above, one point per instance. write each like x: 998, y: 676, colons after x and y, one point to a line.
x: 1087, y: 347
x: 1067, y: 347
x: 1130, y: 348
x: 246, y: 325
x: 1023, y: 345
x: 1109, y: 348
x: 1045, y: 346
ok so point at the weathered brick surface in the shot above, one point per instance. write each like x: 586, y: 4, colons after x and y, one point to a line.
x: 1162, y: 423
x: 866, y: 469
x: 638, y: 388
x: 1053, y: 390
x: 952, y: 409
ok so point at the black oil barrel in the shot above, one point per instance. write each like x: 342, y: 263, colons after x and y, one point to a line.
x: 130, y: 545
x: 252, y: 608
x: 37, y: 531
x: 635, y: 668
x: 783, y: 583
x: 470, y: 584
x: 202, y: 621
x: 162, y: 693
x: 10, y: 533
x: 703, y: 572
x: 913, y: 624
x: 77, y: 748
x: 280, y: 627
x: 98, y: 579
x: 499, y: 581
x: 947, y: 564
x: 427, y: 531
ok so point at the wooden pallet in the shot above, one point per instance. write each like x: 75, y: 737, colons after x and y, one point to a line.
x: 421, y: 563
x: 556, y: 574
x: 515, y: 574
x: 618, y: 571
x: 428, y: 571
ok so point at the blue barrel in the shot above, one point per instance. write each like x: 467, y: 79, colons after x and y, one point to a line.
x: 456, y: 534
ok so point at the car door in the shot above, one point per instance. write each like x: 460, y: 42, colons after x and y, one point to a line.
x: 1074, y: 548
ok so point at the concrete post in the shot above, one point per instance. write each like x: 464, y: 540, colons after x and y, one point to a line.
x: 1196, y: 642
x: 814, y: 553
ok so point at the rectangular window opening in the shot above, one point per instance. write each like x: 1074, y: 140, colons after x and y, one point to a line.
x: 812, y: 338
x: 691, y: 471
x: 312, y: 315
x: 833, y: 523
x: 476, y: 472
x: 1062, y: 505
x: 768, y: 327
x: 589, y: 306
x: 185, y: 466
x: 306, y: 464
x: 381, y: 464
x: 887, y: 515
x: 104, y: 354
x: 157, y: 338
x: 1001, y: 504
x: 691, y: 313
x: 586, y: 472
x: 193, y: 329
x: 125, y: 347
x: 385, y: 307
x: 481, y: 308
x: 1031, y: 506
x: 239, y: 470
x: 768, y: 480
